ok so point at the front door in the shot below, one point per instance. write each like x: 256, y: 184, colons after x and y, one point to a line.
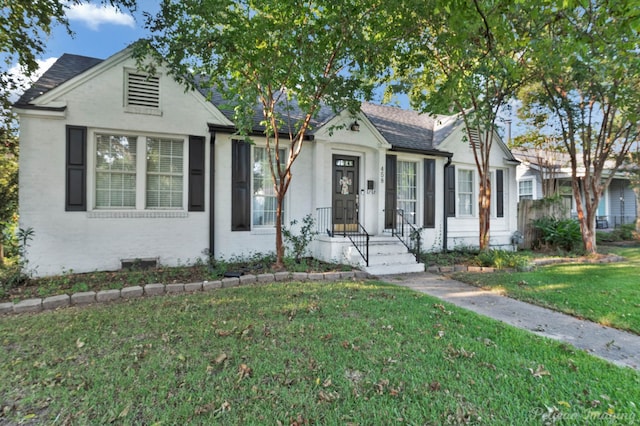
x: 345, y: 193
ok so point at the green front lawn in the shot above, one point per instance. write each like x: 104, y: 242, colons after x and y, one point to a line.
x: 607, y: 293
x: 359, y: 353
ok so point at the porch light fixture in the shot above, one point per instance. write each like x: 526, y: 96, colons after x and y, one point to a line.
x: 355, y: 127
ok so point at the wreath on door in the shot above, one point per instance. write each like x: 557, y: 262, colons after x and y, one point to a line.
x: 345, y: 182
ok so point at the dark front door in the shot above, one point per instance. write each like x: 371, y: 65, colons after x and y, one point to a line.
x: 345, y: 193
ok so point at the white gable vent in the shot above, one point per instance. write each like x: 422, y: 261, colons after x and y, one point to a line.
x: 475, y: 138
x: 143, y: 91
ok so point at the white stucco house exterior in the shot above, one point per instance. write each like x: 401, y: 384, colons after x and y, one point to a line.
x: 116, y: 165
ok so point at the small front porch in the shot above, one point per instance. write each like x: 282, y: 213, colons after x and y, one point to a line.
x: 378, y: 254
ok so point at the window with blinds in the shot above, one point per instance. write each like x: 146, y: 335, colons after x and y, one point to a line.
x: 165, y: 164
x: 115, y: 171
x: 264, y: 196
x: 465, y: 192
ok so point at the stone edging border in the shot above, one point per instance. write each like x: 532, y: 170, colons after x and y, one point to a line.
x: 535, y: 262
x: 90, y: 297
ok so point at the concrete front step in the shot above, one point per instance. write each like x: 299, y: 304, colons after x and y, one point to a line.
x: 403, y: 268
x: 387, y: 256
x: 391, y: 259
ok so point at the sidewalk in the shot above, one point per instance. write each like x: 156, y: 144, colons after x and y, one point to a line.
x: 613, y: 345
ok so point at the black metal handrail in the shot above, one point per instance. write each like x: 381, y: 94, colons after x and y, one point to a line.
x: 411, y: 238
x: 356, y: 233
x: 360, y: 241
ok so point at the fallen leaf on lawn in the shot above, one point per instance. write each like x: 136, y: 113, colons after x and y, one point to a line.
x: 328, y: 396
x: 244, y: 371
x: 79, y: 343
x: 221, y: 358
x: 225, y: 333
x: 124, y: 412
x: 326, y: 383
x: 539, y: 372
x: 381, y: 385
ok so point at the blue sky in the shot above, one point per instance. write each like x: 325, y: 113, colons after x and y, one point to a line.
x: 100, y: 31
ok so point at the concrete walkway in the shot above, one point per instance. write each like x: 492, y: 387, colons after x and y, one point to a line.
x: 613, y: 345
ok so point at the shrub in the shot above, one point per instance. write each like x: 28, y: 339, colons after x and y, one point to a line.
x: 558, y: 233
x: 622, y: 233
x: 297, y: 244
x: 502, y: 259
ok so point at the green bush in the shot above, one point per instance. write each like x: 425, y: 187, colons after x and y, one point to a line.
x: 622, y: 233
x: 502, y: 259
x: 297, y: 244
x: 558, y: 233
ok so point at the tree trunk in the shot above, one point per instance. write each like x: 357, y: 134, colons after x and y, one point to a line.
x: 279, y: 265
x: 587, y: 221
x: 484, y: 213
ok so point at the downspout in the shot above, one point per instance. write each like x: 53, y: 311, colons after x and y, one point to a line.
x: 445, y: 215
x: 212, y: 186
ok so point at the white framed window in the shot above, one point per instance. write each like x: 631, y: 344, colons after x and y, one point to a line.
x: 407, y: 189
x: 165, y: 170
x: 116, y: 171
x: 264, y: 200
x: 465, y: 192
x: 525, y: 189
x: 139, y: 172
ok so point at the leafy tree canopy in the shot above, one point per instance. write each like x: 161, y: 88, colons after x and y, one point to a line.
x: 288, y: 58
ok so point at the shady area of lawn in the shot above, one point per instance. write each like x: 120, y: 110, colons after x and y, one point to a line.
x: 607, y: 293
x: 351, y: 352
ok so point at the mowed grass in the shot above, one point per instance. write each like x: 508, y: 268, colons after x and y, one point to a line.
x: 358, y: 353
x: 607, y: 293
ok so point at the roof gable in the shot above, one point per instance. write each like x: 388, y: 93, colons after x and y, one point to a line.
x: 64, y: 69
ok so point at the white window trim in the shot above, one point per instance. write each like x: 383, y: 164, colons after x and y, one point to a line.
x: 419, y: 172
x: 533, y: 188
x: 266, y: 229
x: 474, y: 193
x: 141, y: 176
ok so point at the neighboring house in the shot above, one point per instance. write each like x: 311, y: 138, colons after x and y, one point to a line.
x: 543, y: 173
x: 116, y: 166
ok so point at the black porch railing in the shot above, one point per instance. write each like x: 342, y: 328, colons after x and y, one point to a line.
x: 407, y: 233
x: 354, y: 231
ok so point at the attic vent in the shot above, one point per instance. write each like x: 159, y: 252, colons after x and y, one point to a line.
x: 475, y: 138
x: 143, y: 91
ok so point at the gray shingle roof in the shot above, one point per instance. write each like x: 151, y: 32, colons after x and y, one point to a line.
x: 324, y: 114
x: 403, y: 129
x: 65, y: 68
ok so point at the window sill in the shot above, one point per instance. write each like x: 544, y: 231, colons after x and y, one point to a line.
x: 264, y: 231
x: 143, y: 110
x: 137, y: 214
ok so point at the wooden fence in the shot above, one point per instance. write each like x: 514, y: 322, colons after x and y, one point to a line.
x: 529, y: 210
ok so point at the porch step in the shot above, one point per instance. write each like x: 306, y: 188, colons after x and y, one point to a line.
x: 387, y: 256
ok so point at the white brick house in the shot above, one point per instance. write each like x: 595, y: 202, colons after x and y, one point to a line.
x: 116, y: 165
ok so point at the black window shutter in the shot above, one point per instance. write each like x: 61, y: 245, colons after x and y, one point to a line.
x: 450, y: 194
x: 240, y: 186
x: 390, y: 192
x: 76, y: 169
x: 196, y: 173
x: 500, y: 193
x: 429, y: 193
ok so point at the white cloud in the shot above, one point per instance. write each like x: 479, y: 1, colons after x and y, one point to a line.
x: 25, y: 83
x: 93, y: 16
